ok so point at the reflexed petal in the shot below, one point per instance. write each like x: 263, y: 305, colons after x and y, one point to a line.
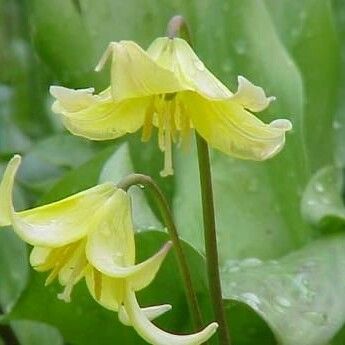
x: 250, y: 96
x: 111, y: 248
x: 226, y: 126
x: 154, y: 335
x: 6, y: 191
x: 62, y: 222
x: 150, y: 312
x: 176, y: 55
x: 70, y: 100
x: 107, y: 291
x: 135, y: 74
x: 98, y: 117
x: 111, y: 244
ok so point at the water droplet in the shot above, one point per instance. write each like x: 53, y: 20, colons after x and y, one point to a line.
x: 282, y: 301
x: 311, y: 202
x: 250, y: 262
x: 253, y: 186
x: 317, y: 318
x: 336, y: 125
x: 319, y: 187
x: 325, y: 200
x: 251, y: 299
x: 227, y: 66
x: 141, y: 186
x: 240, y: 47
x: 199, y: 65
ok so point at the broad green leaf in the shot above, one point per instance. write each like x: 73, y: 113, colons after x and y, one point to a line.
x: 14, y: 271
x: 307, y: 29
x: 322, y: 203
x: 51, y: 158
x: 117, y: 167
x: 299, y: 296
x: 35, y: 333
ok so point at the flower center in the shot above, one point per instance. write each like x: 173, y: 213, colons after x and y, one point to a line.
x: 167, y: 113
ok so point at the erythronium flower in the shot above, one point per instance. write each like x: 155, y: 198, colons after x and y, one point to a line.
x: 168, y: 87
x: 90, y: 234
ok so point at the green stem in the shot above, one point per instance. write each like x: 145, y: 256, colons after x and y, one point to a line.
x: 211, y: 239
x: 178, y: 27
x: 146, y: 181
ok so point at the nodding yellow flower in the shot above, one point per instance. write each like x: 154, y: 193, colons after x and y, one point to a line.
x: 90, y: 235
x: 169, y: 87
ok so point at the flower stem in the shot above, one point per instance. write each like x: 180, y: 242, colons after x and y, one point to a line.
x: 211, y: 239
x: 177, y: 26
x: 146, y: 181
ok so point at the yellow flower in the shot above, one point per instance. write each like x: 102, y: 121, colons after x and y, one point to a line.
x: 168, y: 87
x: 90, y: 235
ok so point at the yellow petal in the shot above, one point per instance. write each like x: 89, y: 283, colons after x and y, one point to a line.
x: 107, y: 291
x: 150, y: 312
x: 70, y: 100
x: 6, y: 191
x: 62, y: 222
x: 135, y: 74
x: 98, y: 117
x: 111, y: 248
x: 226, y: 126
x: 112, y: 242
x: 250, y: 96
x: 156, y: 336
x: 177, y: 56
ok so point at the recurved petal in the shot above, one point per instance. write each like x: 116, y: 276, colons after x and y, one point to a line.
x: 228, y: 127
x: 63, y: 222
x: 135, y: 74
x: 150, y: 312
x: 99, y: 117
x: 6, y: 191
x: 111, y: 248
x: 156, y: 336
x: 250, y: 96
x: 70, y: 100
x: 177, y: 56
x: 107, y: 291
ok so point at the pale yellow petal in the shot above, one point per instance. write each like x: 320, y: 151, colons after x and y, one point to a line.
x: 62, y: 222
x: 111, y: 248
x: 6, y: 191
x: 70, y: 100
x: 250, y: 96
x: 112, y: 242
x: 107, y: 291
x: 156, y: 336
x: 150, y: 312
x: 177, y: 56
x: 135, y: 74
x: 228, y: 127
x: 98, y: 117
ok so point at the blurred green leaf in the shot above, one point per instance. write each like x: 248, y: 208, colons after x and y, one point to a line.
x: 35, y: 333
x: 322, y: 202
x: 118, y: 166
x: 14, y: 270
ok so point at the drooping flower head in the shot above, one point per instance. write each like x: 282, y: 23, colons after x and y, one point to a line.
x: 169, y: 87
x: 90, y: 235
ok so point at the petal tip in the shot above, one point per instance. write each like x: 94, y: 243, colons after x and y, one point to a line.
x: 283, y: 124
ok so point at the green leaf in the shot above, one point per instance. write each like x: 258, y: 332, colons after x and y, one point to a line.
x: 322, y: 203
x: 35, y: 333
x: 299, y: 296
x: 117, y: 167
x: 14, y: 270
